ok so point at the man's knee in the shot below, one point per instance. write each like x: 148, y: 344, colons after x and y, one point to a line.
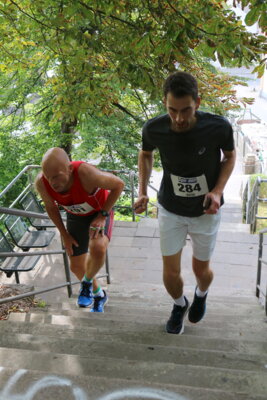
x: 201, y: 268
x: 98, y: 248
x: 171, y: 266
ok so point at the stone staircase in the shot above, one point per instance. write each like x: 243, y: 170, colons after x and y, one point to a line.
x: 62, y: 352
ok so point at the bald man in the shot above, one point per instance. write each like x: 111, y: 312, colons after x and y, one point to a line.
x: 88, y: 195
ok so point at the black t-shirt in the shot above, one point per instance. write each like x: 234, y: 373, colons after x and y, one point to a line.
x: 194, y: 154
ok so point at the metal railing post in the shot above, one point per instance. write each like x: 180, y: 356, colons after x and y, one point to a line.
x: 107, y: 267
x: 257, y: 203
x: 132, y: 193
x: 67, y: 270
x: 258, y: 281
x: 17, y: 277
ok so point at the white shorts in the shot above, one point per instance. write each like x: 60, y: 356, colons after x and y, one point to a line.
x: 175, y: 228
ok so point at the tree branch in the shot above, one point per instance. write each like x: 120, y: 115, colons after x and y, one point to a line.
x: 197, y: 27
x: 31, y: 17
x: 137, y: 119
x: 110, y: 16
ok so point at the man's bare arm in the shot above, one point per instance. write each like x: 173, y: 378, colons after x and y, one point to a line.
x: 227, y: 166
x: 91, y: 176
x: 145, y: 164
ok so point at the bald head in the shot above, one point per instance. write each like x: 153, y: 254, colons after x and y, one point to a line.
x: 54, y: 156
x: 57, y: 169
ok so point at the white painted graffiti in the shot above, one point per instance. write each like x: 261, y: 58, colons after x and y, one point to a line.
x: 78, y: 393
x: 142, y: 393
x: 43, y: 383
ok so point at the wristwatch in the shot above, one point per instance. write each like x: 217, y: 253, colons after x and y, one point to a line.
x: 104, y: 213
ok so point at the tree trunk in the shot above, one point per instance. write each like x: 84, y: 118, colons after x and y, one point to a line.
x: 68, y: 131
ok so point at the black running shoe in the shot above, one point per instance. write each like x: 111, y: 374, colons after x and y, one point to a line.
x: 197, y: 309
x: 175, y: 323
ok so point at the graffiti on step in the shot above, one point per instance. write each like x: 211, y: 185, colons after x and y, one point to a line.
x: 43, y: 383
x: 8, y: 392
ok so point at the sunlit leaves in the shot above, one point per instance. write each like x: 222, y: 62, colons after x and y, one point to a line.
x: 257, y: 12
x: 252, y: 16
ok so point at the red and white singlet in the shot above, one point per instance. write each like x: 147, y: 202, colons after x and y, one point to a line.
x: 77, y: 201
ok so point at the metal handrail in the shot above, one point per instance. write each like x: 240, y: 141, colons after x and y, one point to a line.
x: 24, y: 213
x: 34, y: 292
x: 17, y: 178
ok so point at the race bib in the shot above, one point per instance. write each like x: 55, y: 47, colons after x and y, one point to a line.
x: 81, y: 209
x: 189, y: 187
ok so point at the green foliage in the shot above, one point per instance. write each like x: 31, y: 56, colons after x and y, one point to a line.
x: 85, y: 74
x: 263, y: 186
x: 257, y: 12
x: 123, y: 210
x: 114, y: 140
x: 40, y: 303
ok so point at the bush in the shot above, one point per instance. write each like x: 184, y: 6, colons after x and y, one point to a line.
x: 123, y: 210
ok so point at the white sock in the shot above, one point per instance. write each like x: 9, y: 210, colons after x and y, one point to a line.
x: 180, y: 301
x: 199, y: 293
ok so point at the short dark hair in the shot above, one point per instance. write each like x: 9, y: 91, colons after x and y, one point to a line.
x: 181, y: 84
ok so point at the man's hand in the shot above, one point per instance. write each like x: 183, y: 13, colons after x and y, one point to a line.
x: 68, y: 242
x: 212, y: 203
x: 141, y: 204
x: 97, y: 227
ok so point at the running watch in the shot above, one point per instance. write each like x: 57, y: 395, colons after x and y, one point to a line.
x: 104, y: 213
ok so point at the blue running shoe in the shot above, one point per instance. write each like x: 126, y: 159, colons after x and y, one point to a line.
x: 99, y: 303
x: 85, y: 298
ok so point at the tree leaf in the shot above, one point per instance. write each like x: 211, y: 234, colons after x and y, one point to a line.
x: 252, y: 16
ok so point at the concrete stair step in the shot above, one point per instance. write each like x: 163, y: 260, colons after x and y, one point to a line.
x: 254, y: 331
x: 249, y: 382
x: 234, y: 236
x: 155, y: 292
x: 137, y: 307
x: 229, y: 224
x: 142, y: 336
x: 62, y: 387
x: 149, y: 228
x: 251, y: 320
x: 154, y: 297
x: 213, y: 318
x: 136, y: 352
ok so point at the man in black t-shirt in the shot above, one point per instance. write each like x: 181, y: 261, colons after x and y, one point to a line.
x: 198, y: 155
